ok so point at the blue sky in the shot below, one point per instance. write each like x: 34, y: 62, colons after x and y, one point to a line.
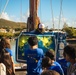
x: 12, y: 11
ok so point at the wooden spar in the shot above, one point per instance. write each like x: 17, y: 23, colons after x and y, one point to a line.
x: 33, y: 19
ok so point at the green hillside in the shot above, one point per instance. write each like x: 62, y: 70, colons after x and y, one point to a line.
x: 11, y: 24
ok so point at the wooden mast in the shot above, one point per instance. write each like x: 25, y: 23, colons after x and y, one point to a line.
x: 33, y: 18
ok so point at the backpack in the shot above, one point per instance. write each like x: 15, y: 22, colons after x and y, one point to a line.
x: 7, y: 61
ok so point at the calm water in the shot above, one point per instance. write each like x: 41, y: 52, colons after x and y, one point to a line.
x: 13, y: 48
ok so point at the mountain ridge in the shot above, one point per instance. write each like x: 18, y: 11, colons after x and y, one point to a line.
x: 11, y: 24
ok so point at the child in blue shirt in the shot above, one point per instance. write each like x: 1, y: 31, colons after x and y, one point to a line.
x: 55, y: 65
x: 33, y: 56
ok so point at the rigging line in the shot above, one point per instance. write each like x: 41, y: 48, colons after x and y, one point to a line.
x: 0, y: 5
x: 60, y: 13
x: 21, y: 11
x: 52, y: 14
x: 5, y: 6
x: 40, y: 11
x: 63, y: 16
x: 59, y: 25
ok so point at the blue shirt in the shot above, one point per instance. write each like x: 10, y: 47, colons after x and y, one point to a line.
x: 64, y: 64
x: 34, y: 59
x: 57, y: 67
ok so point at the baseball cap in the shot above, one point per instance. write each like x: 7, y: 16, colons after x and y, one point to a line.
x: 41, y: 26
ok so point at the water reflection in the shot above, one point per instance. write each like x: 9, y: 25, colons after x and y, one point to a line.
x: 13, y: 48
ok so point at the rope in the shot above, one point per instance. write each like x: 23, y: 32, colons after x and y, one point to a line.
x: 52, y: 14
x: 0, y: 5
x: 40, y: 11
x: 5, y: 5
x: 0, y: 8
x: 21, y: 11
x: 60, y: 14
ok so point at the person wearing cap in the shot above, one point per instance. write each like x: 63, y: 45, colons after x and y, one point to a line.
x: 40, y: 29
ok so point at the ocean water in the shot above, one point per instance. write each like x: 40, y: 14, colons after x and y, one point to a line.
x: 13, y: 48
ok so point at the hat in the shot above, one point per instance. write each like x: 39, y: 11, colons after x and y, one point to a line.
x: 41, y: 25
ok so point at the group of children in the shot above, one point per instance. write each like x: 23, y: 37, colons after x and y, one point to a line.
x: 39, y: 63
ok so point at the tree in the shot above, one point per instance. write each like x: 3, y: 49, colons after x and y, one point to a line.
x: 70, y: 31
x: 65, y: 25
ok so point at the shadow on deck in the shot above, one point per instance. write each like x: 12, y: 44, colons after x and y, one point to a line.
x: 20, y: 72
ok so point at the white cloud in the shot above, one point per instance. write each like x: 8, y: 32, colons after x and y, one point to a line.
x: 25, y: 16
x: 4, y: 15
x: 56, y: 23
x: 14, y: 18
x: 71, y: 22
